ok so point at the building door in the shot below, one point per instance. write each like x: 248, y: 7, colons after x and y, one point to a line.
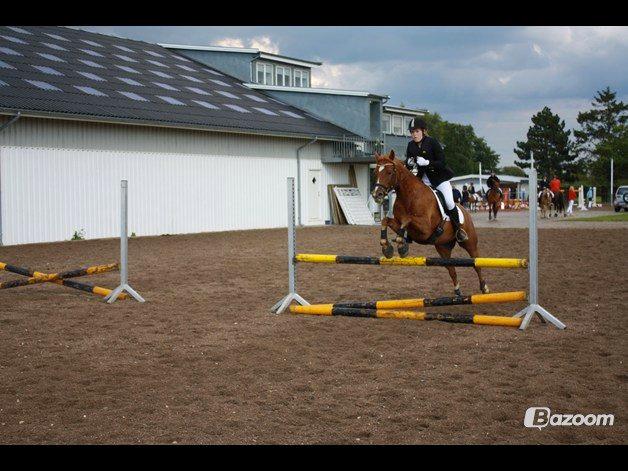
x: 314, y: 196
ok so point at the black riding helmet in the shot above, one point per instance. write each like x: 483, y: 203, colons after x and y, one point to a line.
x: 417, y: 123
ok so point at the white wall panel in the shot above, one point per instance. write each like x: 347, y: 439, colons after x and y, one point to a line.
x: 47, y: 194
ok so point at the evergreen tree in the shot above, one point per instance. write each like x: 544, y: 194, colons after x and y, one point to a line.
x: 484, y: 154
x: 603, y: 135
x: 548, y: 142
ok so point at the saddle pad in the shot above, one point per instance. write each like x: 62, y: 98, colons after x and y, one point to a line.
x: 440, y: 200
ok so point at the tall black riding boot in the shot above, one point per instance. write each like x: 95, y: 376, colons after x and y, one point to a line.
x: 461, y: 235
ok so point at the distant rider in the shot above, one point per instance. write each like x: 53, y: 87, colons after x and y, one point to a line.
x: 493, y: 184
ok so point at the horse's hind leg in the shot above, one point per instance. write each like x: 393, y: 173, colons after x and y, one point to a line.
x: 471, y: 246
x: 445, y: 252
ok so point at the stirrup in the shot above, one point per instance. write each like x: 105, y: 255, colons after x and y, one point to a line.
x: 461, y: 235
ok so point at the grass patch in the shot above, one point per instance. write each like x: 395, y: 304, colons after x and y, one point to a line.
x: 611, y: 218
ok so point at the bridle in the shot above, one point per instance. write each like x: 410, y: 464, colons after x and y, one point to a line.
x: 387, y: 189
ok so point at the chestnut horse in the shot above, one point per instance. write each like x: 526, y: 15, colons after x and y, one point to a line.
x: 417, y: 217
x: 494, y: 201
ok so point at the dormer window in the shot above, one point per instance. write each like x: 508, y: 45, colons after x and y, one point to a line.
x: 301, y: 78
x: 264, y: 73
x: 282, y: 76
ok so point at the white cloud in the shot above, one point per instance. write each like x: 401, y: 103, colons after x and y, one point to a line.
x: 229, y: 42
x: 263, y: 43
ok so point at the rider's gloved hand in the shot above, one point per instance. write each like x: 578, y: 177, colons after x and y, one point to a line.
x: 421, y: 162
x: 410, y: 162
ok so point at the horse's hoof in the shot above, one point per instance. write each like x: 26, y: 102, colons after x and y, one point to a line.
x: 388, y: 251
x: 403, y: 249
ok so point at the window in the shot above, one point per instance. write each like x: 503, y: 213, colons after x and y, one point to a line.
x: 291, y: 114
x: 47, y: 70
x: 4, y: 65
x: 90, y: 91
x: 91, y: 53
x: 130, y: 81
x: 301, y: 78
x: 265, y: 111
x: 237, y: 108
x: 43, y: 85
x: 204, y: 104
x: 193, y: 79
x: 172, y: 101
x: 200, y: 91
x: 50, y: 57
x: 91, y: 76
x: 255, y: 98
x: 386, y: 124
x: 264, y: 73
x: 282, y: 76
x: 397, y: 124
x: 133, y: 96
x: 220, y: 82
x: 55, y: 46
x: 227, y: 94
x: 166, y: 86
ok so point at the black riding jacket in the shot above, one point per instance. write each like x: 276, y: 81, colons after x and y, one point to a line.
x: 491, y: 181
x: 430, y: 149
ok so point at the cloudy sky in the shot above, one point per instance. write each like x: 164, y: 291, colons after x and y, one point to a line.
x: 494, y: 78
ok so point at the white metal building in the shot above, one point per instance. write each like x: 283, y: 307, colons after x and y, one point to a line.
x: 60, y: 170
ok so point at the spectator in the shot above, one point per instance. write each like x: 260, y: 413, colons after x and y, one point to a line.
x: 571, y: 197
x: 590, y: 196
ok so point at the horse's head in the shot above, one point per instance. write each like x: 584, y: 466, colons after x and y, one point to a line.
x: 386, y: 173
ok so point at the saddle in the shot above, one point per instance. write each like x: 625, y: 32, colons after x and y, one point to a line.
x: 440, y: 200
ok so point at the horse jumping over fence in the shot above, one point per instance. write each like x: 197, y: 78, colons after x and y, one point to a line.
x: 417, y: 217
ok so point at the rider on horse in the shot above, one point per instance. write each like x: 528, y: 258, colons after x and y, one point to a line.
x: 425, y: 155
x: 493, y: 184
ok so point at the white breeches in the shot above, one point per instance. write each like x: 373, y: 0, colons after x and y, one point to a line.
x: 570, y: 207
x: 445, y: 189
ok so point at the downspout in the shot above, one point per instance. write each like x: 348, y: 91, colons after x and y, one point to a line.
x: 299, y: 176
x: 2, y: 128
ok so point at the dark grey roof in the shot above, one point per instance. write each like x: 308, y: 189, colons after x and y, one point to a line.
x: 57, y: 71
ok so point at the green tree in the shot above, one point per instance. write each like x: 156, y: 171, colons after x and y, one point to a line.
x: 548, y: 142
x: 512, y: 170
x: 603, y: 135
x: 463, y: 148
x: 484, y: 154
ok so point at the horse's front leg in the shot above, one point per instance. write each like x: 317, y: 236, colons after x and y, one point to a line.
x: 402, y: 237
x: 387, y: 248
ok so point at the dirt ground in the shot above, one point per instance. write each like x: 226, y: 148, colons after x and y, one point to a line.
x: 203, y: 360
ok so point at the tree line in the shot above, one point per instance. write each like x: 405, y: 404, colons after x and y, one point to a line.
x: 584, y: 155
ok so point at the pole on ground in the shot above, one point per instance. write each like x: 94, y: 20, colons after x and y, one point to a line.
x: 124, y: 250
x: 292, y: 295
x: 533, y: 260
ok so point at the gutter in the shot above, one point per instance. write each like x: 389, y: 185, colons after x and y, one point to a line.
x: 299, y: 149
x: 13, y: 120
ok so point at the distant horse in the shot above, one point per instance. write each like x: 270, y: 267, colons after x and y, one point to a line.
x: 494, y: 200
x: 417, y: 217
x: 545, y: 203
x: 559, y: 203
x: 474, y: 201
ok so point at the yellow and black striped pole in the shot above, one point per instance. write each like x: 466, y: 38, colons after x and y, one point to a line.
x: 506, y: 297
x: 38, y: 277
x: 60, y: 278
x: 414, y: 261
x: 413, y: 315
